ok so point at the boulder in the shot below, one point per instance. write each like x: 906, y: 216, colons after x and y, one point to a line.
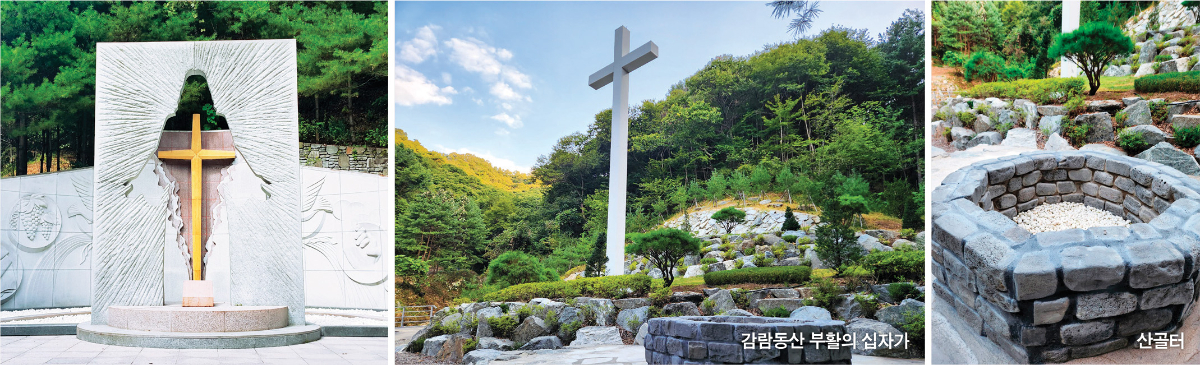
x: 640, y: 338
x: 489, y: 312
x: 790, y: 304
x: 492, y: 343
x: 722, y: 301
x: 546, y: 343
x: 1051, y: 110
x: 1137, y: 114
x: 1184, y: 121
x: 1150, y: 133
x: 1167, y: 154
x: 451, y: 350
x: 1029, y: 111
x: 597, y: 336
x: 693, y: 271
x: 771, y: 239
x: 605, y: 311
x: 681, y: 309
x: 1108, y: 106
x: 530, y: 328
x: 736, y: 313
x: 869, y: 244
x: 1117, y: 71
x: 483, y: 329
x: 810, y: 313
x: 1056, y: 143
x: 1149, y: 50
x: 718, y: 255
x: 655, y: 273
x: 895, y: 315
x: 630, y: 319
x: 983, y: 124
x: 1145, y: 69
x: 568, y: 315
x: 916, y: 246
x: 783, y: 293
x: 1173, y: 51
x: 986, y: 138
x: 863, y: 328
x: 1051, y: 123
x: 1129, y: 101
x: 1020, y: 137
x: 847, y: 307
x: 811, y: 256
x: 485, y: 357
x: 686, y: 296
x: 1102, y: 148
x: 882, y: 294
x: 433, y: 345
x: 791, y: 261
x: 631, y: 303
x: 960, y: 136
x: 1101, y: 126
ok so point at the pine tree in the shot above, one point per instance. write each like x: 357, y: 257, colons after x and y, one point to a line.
x: 761, y: 180
x: 687, y: 223
x: 596, y: 263
x: 785, y: 179
x: 789, y: 220
x: 717, y: 186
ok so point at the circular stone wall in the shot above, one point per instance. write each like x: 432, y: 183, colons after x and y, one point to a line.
x: 718, y: 340
x: 1060, y: 295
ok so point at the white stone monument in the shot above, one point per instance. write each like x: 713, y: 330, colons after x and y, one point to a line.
x: 253, y: 85
x: 1070, y: 22
x: 617, y: 73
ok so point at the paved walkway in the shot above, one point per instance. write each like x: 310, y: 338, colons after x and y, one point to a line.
x: 635, y: 355
x: 70, y: 350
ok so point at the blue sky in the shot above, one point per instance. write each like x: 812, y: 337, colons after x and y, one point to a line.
x: 505, y: 80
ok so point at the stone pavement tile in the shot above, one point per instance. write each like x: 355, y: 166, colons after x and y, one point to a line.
x: 197, y: 361
x: 278, y: 355
x: 364, y: 356
x: 232, y: 353
x: 28, y: 361
x: 285, y: 361
x: 113, y: 359
x: 325, y: 361
x: 368, y: 362
x: 210, y: 353
x: 239, y: 360
x: 153, y: 352
x: 70, y: 360
x: 156, y: 360
x: 9, y: 339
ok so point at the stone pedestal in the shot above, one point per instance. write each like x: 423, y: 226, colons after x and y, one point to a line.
x: 197, y: 293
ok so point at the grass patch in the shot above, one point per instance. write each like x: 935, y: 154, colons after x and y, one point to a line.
x: 877, y: 220
x: 1116, y: 83
x: 823, y: 273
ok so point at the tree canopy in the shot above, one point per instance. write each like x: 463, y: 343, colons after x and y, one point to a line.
x: 1092, y: 47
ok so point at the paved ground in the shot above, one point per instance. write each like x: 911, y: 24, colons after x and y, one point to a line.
x: 636, y: 355
x: 69, y: 350
x: 403, y: 335
x: 939, y: 167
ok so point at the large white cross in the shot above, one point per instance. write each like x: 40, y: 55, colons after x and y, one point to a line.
x: 617, y: 73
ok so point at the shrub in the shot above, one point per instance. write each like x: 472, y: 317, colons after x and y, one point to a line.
x: 416, y: 345
x: 1162, y: 57
x: 728, y: 218
x: 516, y: 267
x: 748, y: 251
x: 569, y: 330
x: 741, y: 298
x: 983, y: 65
x: 908, y: 233
x: 790, y: 238
x: 663, y: 247
x: 1121, y: 117
x: 1003, y: 128
x: 825, y: 295
x: 707, y: 306
x: 914, y: 326
x: 760, y: 260
x: 789, y: 220
x: 780, y: 312
x: 525, y: 312
x: 469, y: 345
x: 804, y: 241
x: 661, y: 297
x: 1187, y: 82
x: 953, y: 59
x: 760, y: 275
x: 896, y: 265
x: 869, y: 304
x: 502, y: 326
x: 967, y: 119
x: 1158, y: 111
x: 1132, y: 142
x: 1187, y: 137
x: 1075, y: 131
x: 708, y: 260
x: 1043, y: 91
x: 902, y: 291
x: 611, y: 287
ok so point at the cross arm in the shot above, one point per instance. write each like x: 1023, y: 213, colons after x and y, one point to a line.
x: 215, y: 154
x: 176, y: 154
x: 629, y: 62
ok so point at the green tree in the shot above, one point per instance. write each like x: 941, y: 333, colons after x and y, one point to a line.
x: 717, y: 186
x: 516, y: 267
x: 806, y: 13
x: 740, y: 183
x: 695, y: 192
x: 597, y: 261
x: 663, y: 247
x: 789, y: 220
x: 761, y: 179
x: 785, y: 180
x: 1092, y: 47
x: 728, y: 218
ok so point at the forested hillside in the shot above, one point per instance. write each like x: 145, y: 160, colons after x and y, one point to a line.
x: 806, y: 117
x: 48, y: 59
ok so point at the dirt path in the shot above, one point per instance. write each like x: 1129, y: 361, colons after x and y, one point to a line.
x: 947, y: 82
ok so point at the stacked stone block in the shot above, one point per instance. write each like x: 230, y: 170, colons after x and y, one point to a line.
x: 371, y: 160
x: 718, y: 340
x: 1062, y: 295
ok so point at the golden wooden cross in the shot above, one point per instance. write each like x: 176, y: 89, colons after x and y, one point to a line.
x: 196, y: 155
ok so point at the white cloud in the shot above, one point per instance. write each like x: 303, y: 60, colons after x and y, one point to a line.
x: 421, y: 47
x: 413, y: 88
x: 502, y: 132
x: 477, y: 101
x: 495, y: 161
x: 506, y: 106
x: 487, y: 61
x: 513, y: 121
x: 468, y: 90
x: 446, y: 78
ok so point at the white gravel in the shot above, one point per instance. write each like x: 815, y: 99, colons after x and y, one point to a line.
x: 327, y: 320
x: 74, y: 318
x: 1064, y: 216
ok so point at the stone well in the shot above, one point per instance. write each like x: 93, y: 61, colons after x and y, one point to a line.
x: 718, y: 340
x: 1056, y: 296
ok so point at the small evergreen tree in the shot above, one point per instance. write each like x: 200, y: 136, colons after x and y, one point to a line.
x: 596, y: 263
x: 789, y: 220
x: 687, y: 223
x: 516, y: 267
x: 717, y: 185
x: 761, y: 180
x: 728, y: 218
x: 1092, y: 47
x: 835, y: 243
x: 664, y: 248
x: 785, y: 179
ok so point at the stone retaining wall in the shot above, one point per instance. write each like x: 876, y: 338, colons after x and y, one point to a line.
x: 1062, y: 295
x: 371, y: 160
x: 718, y: 340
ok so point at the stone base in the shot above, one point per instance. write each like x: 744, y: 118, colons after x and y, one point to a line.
x: 221, y: 318
x: 198, y: 293
x: 107, y: 335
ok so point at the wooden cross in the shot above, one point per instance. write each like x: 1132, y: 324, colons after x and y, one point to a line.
x: 197, y: 155
x: 617, y: 73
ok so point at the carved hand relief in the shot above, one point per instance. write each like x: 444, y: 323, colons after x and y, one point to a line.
x: 34, y: 221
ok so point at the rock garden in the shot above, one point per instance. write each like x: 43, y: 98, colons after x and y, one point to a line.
x: 1047, y: 290
x: 740, y: 283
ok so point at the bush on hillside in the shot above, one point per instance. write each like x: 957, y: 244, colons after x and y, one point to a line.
x: 1187, y: 137
x: 610, y: 287
x: 1044, y: 91
x: 516, y: 267
x: 1186, y: 82
x: 899, y: 265
x: 983, y: 65
x: 728, y: 218
x: 760, y: 275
